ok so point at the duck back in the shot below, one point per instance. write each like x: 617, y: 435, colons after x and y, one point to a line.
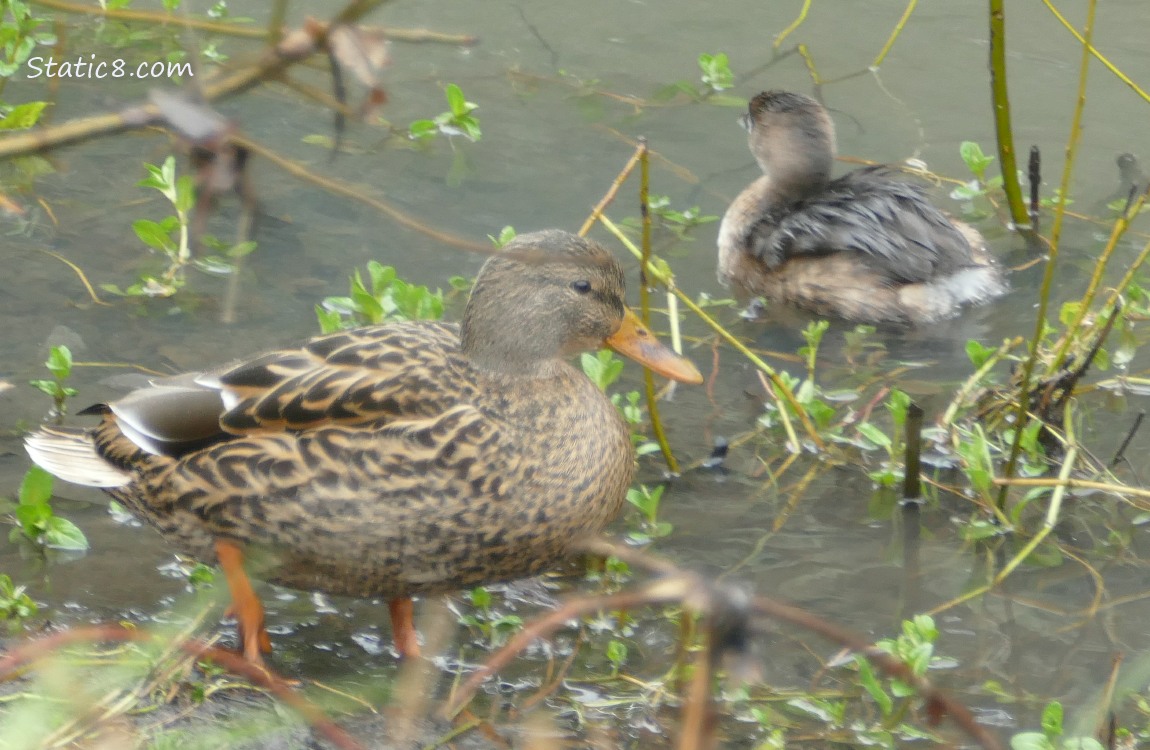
x: 871, y: 212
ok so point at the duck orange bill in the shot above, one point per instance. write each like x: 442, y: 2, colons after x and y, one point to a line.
x: 635, y: 341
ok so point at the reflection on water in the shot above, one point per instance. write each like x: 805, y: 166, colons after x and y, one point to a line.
x: 554, y: 93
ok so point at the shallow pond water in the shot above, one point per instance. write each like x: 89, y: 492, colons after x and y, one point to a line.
x: 563, y: 93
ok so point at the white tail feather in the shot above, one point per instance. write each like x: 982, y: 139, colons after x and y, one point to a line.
x: 72, y: 456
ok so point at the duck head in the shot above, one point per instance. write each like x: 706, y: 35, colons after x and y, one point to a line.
x: 552, y: 294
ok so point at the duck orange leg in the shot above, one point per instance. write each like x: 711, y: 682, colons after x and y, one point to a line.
x: 403, y: 627
x: 246, y: 606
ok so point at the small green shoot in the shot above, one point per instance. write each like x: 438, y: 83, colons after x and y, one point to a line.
x: 16, y: 607
x: 716, y: 75
x: 974, y: 449
x: 813, y: 334
x: 388, y: 297
x: 60, y: 365
x: 506, y: 234
x: 457, y: 120
x: 915, y: 648
x: 21, y: 116
x: 673, y: 220
x: 20, y: 34
x: 494, y: 627
x: 976, y: 161
x: 602, y: 367
x: 168, y: 237
x: 647, y: 499
x: 716, y: 71
x: 617, y: 655
x: 1051, y: 737
x: 35, y: 519
x: 201, y: 576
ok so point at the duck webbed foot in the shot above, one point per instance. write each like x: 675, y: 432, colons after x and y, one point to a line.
x: 403, y: 627
x: 246, y: 606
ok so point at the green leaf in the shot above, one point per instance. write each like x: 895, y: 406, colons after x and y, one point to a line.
x: 1052, y: 719
x: 33, y: 518
x: 976, y: 160
x: 480, y: 597
x: 602, y: 367
x: 242, y: 249
x: 381, y: 276
x: 185, y: 194
x: 36, y: 488
x: 979, y: 529
x: 23, y: 116
x: 899, y: 404
x: 470, y: 127
x: 1031, y: 741
x: 874, y: 434
x: 421, y: 129
x: 872, y: 686
x: 153, y: 235
x: 63, y: 534
x: 977, y: 353
x: 59, y: 362
x: 49, y: 387
x: 975, y: 453
x: 617, y: 653
x: 455, y: 99
x: 330, y: 321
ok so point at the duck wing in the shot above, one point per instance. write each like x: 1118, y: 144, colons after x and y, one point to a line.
x: 872, y: 212
x: 366, y: 376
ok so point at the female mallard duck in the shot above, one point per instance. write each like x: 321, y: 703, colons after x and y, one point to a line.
x: 867, y: 246
x: 401, y: 459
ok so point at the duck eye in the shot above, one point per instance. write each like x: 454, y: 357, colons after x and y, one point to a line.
x: 582, y: 286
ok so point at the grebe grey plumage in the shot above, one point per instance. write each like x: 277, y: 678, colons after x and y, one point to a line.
x: 867, y: 246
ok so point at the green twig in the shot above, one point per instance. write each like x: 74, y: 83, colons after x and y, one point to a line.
x: 1127, y: 277
x: 645, y: 307
x: 894, y: 34
x: 1120, y: 227
x: 794, y: 24
x: 1097, y: 55
x: 1003, y: 130
x: 1055, y: 233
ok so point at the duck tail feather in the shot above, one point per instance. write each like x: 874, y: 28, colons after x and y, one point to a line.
x: 71, y: 455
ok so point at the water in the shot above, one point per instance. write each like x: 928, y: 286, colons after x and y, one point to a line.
x: 557, y: 92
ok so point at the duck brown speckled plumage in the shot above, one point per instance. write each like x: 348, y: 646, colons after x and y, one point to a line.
x: 867, y: 246
x: 402, y: 459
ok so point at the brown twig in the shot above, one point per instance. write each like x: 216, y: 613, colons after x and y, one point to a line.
x: 300, y: 46
x: 357, y: 193
x: 715, y: 603
x: 230, y: 29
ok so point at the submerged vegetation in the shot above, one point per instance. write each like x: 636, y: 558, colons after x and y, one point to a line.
x: 1014, y: 462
